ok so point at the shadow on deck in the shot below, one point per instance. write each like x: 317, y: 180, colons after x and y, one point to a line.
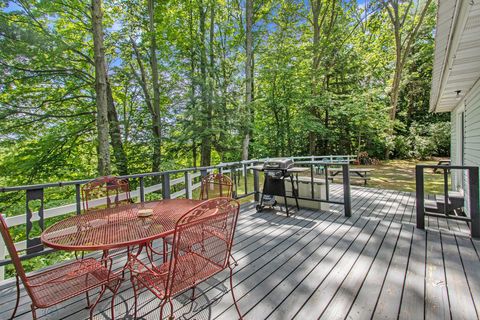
x: 319, y: 264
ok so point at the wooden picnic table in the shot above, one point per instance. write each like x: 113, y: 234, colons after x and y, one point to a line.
x: 360, y: 173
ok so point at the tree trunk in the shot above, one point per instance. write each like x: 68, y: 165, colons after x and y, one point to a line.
x: 248, y: 77
x: 116, y: 134
x: 316, y: 7
x: 156, y: 116
x: 103, y: 147
x: 205, y: 148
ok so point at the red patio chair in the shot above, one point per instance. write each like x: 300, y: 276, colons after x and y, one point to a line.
x: 53, y: 286
x: 216, y: 185
x: 213, y: 185
x: 110, y: 191
x: 216, y: 220
x: 115, y: 191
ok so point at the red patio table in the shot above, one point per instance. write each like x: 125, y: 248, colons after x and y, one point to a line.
x: 117, y: 227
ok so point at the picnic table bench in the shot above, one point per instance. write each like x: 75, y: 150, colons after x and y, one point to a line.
x: 442, y: 163
x: 359, y: 173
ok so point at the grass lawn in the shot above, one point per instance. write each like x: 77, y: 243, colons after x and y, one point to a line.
x: 400, y: 175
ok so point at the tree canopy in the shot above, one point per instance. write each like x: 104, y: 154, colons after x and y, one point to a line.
x: 128, y: 86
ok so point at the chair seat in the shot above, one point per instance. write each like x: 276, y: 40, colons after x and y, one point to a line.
x: 191, y: 269
x: 59, y: 284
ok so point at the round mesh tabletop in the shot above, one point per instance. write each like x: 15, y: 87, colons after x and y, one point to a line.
x: 117, y: 227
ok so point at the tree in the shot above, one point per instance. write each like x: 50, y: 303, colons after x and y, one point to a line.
x: 103, y: 145
x: 406, y: 26
x: 248, y: 76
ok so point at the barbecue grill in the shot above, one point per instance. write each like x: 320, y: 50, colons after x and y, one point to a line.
x: 276, y: 172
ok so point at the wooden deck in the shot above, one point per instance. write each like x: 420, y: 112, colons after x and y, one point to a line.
x: 317, y: 264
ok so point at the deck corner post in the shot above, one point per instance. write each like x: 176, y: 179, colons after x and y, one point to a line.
x: 419, y: 197
x: 474, y: 209
x: 347, y: 201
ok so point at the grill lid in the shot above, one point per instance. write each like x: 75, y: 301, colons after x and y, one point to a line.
x: 278, y: 164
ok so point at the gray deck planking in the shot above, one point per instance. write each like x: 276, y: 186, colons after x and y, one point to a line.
x: 317, y: 264
x: 436, y: 297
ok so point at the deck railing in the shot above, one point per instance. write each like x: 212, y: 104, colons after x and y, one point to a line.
x: 472, y: 215
x: 170, y: 184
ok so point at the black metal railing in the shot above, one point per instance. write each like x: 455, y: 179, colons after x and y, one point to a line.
x: 472, y: 216
x: 164, y: 182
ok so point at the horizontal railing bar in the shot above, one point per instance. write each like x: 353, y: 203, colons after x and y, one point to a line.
x: 150, y: 174
x: 433, y: 166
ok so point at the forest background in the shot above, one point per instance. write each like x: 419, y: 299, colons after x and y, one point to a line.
x: 118, y: 87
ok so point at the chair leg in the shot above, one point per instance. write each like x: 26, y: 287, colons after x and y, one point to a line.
x: 162, y: 305
x: 233, y: 293
x: 102, y: 291
x: 165, y: 250
x: 17, y: 283
x: 234, y: 260
x: 34, y: 312
x: 193, y: 293
x: 132, y: 279
x: 171, y: 309
x: 87, y: 295
x: 128, y: 255
x: 112, y: 303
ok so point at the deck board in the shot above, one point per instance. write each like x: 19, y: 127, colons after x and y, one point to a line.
x: 320, y: 264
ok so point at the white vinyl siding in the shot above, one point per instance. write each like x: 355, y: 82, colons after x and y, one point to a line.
x: 472, y: 128
x: 453, y: 140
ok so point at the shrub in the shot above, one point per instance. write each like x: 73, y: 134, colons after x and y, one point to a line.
x: 440, y: 135
x: 403, y: 147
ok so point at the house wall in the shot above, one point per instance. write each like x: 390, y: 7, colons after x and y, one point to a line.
x: 470, y: 106
x: 472, y: 127
x: 453, y: 148
x: 453, y: 139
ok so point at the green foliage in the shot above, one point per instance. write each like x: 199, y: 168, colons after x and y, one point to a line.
x: 424, y: 141
x: 48, y: 101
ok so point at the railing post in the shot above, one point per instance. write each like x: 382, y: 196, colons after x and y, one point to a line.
x: 233, y: 173
x: 2, y: 257
x: 327, y: 188
x: 33, y: 243
x: 78, y: 198
x: 311, y: 182
x: 256, y: 185
x: 245, y: 173
x: 142, y: 190
x: 446, y: 207
x: 347, y: 201
x: 474, y: 197
x: 420, y: 197
x: 188, y: 185
x: 166, y: 186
